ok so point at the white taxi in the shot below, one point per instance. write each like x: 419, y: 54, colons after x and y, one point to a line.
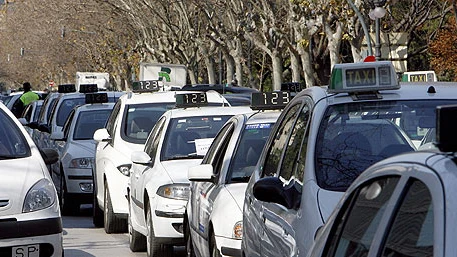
x: 41, y: 130
x: 126, y: 131
x: 30, y: 115
x: 213, y: 219
x: 324, y: 138
x: 407, y: 202
x: 73, y: 179
x: 159, y: 187
x: 30, y: 222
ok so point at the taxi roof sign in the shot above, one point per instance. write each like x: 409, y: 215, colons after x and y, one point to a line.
x: 145, y: 86
x: 88, y: 88
x: 188, y: 100
x: 363, y: 77
x: 66, y: 88
x: 270, y: 100
x: 96, y: 98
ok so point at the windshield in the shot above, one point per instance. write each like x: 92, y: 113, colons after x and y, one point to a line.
x: 88, y: 122
x: 65, y: 108
x: 190, y: 137
x: 353, y: 136
x: 139, y: 120
x: 12, y: 142
x: 250, y: 145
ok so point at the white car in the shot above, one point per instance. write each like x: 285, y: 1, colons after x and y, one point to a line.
x: 407, y: 203
x: 126, y: 131
x: 30, y: 221
x: 41, y: 130
x: 30, y: 115
x: 159, y: 186
x: 74, y: 180
x: 213, y: 219
x: 324, y: 138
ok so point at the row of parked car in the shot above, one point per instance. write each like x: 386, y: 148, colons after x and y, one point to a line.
x: 279, y: 178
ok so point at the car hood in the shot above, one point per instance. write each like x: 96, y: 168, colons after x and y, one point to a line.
x: 237, y: 191
x: 17, y: 177
x: 327, y: 201
x: 177, y: 170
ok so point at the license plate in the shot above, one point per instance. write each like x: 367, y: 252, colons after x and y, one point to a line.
x: 26, y: 251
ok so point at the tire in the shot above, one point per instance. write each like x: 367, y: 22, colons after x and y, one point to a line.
x: 153, y: 248
x: 112, y: 224
x: 97, y: 212
x: 67, y: 205
x: 137, y: 241
x: 214, y: 252
x: 188, y: 239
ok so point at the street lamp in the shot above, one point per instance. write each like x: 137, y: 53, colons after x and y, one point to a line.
x: 376, y: 13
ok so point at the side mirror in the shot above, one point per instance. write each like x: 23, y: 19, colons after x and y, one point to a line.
x: 201, y: 173
x: 49, y: 155
x: 272, y: 189
x: 101, y: 135
x: 32, y: 125
x: 140, y: 157
x: 57, y: 135
x: 44, y: 128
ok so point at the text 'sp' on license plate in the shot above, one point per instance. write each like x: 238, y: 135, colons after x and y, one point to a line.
x: 26, y: 251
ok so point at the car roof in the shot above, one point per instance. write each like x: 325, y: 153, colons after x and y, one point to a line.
x: 166, y: 97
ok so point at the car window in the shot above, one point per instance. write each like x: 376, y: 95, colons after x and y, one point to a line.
x: 297, y: 143
x: 218, y: 157
x: 110, y: 124
x: 27, y: 114
x: 88, y: 122
x: 213, y: 151
x: 36, y: 112
x: 67, y: 125
x: 154, y: 139
x: 247, y: 153
x: 188, y: 134
x: 12, y: 142
x: 65, y: 108
x: 282, y: 134
x: 352, y: 235
x: 355, y: 135
x: 139, y: 119
x: 412, y: 231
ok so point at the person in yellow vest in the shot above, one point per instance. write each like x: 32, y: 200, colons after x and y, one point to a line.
x: 26, y: 98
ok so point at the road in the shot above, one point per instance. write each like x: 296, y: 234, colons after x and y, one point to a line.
x: 82, y: 239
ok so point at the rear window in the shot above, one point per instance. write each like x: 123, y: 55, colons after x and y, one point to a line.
x: 88, y: 122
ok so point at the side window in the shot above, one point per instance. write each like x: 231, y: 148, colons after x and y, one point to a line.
x: 27, y: 114
x: 412, y: 230
x: 275, y: 151
x: 351, y: 235
x: 112, y: 118
x: 153, y: 140
x: 218, y: 158
x: 296, y: 148
x: 214, y: 149
x: 66, y: 126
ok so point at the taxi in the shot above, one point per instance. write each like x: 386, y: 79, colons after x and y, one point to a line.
x: 324, y: 138
x: 73, y: 179
x: 30, y: 115
x: 126, y: 131
x: 31, y: 224
x: 40, y: 134
x: 407, y: 202
x: 158, y: 186
x: 213, y: 217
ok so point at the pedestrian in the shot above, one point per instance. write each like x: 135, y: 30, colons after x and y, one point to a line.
x: 26, y: 98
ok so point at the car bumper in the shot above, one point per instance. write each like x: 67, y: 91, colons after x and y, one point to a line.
x: 168, y: 216
x: 46, y: 233
x: 228, y: 246
x: 79, y: 181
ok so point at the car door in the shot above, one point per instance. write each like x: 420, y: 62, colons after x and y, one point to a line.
x: 253, y: 212
x: 204, y: 193
x: 138, y: 177
x: 283, y: 224
x: 403, y: 216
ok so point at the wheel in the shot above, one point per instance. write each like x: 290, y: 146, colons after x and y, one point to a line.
x: 153, y: 248
x: 213, y: 248
x: 188, y: 239
x: 112, y: 223
x: 97, y: 212
x: 67, y: 205
x: 137, y: 241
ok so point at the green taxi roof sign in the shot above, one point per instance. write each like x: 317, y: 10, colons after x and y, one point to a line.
x: 363, y: 77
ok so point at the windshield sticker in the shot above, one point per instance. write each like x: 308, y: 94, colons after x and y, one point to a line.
x: 202, y: 145
x: 182, y: 121
x: 258, y: 126
x: 217, y: 119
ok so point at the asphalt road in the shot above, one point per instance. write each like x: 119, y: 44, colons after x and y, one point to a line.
x: 82, y: 239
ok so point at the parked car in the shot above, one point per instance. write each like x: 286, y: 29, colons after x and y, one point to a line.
x: 213, y: 218
x: 31, y: 224
x: 158, y: 188
x: 323, y: 140
x: 406, y: 202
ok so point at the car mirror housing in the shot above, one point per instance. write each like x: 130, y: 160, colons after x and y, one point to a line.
x: 272, y: 189
x: 201, y: 173
x: 140, y: 157
x: 101, y: 135
x: 49, y: 155
x: 44, y: 128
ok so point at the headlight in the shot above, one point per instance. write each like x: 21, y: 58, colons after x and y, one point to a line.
x: 125, y: 169
x: 40, y: 196
x: 81, y: 163
x: 174, y: 191
x: 238, y: 230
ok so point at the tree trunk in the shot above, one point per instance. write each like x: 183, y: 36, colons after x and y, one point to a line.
x: 277, y: 70
x: 295, y: 66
